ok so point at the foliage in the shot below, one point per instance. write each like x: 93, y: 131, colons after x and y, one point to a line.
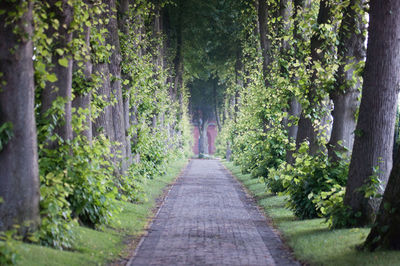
x: 257, y: 113
x: 312, y: 184
x: 99, y: 247
x: 8, y: 250
x: 6, y: 133
x: 91, y: 175
x: 80, y: 178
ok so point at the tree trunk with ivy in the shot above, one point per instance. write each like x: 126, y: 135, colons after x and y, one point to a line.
x: 385, y: 234
x: 345, y: 96
x: 19, y: 174
x: 178, y: 60
x: 123, y: 25
x: 372, y: 151
x: 61, y: 67
x: 203, y: 139
x: 265, y: 41
x: 102, y: 123
x: 117, y: 108
x: 294, y: 110
x: 82, y: 77
x: 306, y: 128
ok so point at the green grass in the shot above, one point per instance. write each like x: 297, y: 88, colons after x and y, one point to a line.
x: 311, y: 240
x: 100, y: 247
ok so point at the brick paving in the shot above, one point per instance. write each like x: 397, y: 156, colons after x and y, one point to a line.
x: 207, y: 219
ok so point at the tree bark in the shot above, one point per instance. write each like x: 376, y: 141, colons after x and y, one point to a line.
x: 19, y: 174
x: 61, y: 36
x: 375, y: 127
x: 102, y: 124
x: 123, y: 25
x: 292, y: 128
x: 203, y: 140
x: 265, y: 40
x: 286, y: 12
x: 83, y: 99
x: 294, y: 111
x: 215, y: 95
x: 178, y: 60
x: 351, y: 51
x: 385, y: 234
x: 117, y: 108
x: 306, y: 130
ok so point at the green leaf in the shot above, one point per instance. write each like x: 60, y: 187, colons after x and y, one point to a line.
x: 52, y: 77
x: 60, y: 51
x: 63, y: 62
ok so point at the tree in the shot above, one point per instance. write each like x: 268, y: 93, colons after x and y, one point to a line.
x: 124, y: 26
x: 61, y: 67
x: 294, y: 109
x: 315, y: 107
x: 351, y: 51
x: 265, y: 42
x: 82, y: 77
x: 117, y: 109
x: 372, y: 151
x: 19, y: 176
x: 385, y: 234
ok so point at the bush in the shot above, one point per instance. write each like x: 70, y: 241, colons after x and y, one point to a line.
x: 330, y: 204
x: 56, y: 222
x: 8, y: 251
x: 308, y: 178
x: 274, y: 181
x: 90, y: 174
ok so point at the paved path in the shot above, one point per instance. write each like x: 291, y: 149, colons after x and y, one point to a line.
x: 207, y: 219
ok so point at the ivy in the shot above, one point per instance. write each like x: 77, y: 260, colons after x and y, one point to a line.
x: 6, y: 133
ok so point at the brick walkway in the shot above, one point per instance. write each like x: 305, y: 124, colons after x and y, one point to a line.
x: 207, y: 219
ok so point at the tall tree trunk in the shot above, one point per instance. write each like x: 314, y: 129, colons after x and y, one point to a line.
x: 103, y: 123
x: 265, y: 41
x: 287, y: 16
x: 178, y: 60
x: 215, y: 95
x: 123, y: 25
x: 61, y: 36
x: 292, y: 128
x: 157, y: 34
x: 385, y: 234
x: 306, y: 130
x: 294, y: 111
x: 375, y: 127
x: 285, y: 13
x: 351, y: 51
x: 117, y: 108
x: 83, y: 98
x: 203, y: 140
x: 19, y: 174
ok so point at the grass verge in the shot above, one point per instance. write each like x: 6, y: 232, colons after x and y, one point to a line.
x: 311, y: 240
x: 101, y: 247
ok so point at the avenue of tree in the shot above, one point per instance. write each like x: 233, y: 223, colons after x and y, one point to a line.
x: 92, y: 101
x: 95, y: 96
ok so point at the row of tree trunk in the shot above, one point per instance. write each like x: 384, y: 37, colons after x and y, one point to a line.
x: 373, y: 131
x: 19, y: 178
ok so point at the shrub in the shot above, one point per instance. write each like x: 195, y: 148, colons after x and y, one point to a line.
x: 308, y: 178
x: 8, y: 251
x: 274, y: 181
x: 330, y: 205
x: 90, y: 174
